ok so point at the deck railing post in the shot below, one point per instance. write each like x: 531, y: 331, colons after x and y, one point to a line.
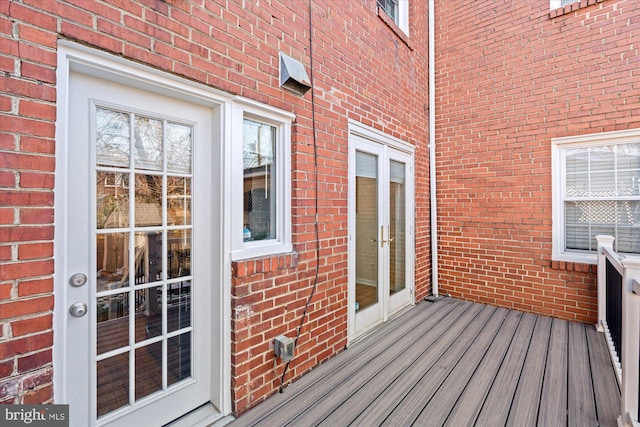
x: 630, y: 342
x: 603, y: 242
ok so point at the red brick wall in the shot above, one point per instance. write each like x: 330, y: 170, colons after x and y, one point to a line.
x: 363, y: 70
x: 511, y: 76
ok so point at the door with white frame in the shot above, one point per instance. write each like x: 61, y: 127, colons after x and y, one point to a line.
x: 139, y: 227
x: 381, y: 242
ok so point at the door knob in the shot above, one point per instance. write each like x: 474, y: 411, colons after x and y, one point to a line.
x: 78, y: 309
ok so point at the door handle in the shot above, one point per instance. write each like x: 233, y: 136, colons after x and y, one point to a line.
x: 78, y: 309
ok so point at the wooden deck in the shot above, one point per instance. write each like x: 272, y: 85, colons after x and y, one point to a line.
x: 453, y: 363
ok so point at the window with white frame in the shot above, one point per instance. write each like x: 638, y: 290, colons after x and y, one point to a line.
x: 398, y: 11
x: 560, y: 3
x: 261, y: 181
x: 596, y: 192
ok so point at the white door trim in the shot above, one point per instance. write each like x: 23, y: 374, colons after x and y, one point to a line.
x: 74, y: 57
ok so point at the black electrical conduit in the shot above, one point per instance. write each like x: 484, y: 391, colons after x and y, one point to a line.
x: 315, y: 170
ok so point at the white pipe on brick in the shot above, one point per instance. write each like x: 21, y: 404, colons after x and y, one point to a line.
x: 432, y: 151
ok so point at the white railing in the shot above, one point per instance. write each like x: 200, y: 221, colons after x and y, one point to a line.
x: 619, y: 319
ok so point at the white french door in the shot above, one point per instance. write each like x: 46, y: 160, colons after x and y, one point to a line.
x: 138, y: 238
x: 381, y: 232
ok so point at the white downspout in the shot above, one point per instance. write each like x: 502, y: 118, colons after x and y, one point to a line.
x: 432, y: 151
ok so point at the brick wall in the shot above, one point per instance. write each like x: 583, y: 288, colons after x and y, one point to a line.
x: 511, y: 76
x: 364, y: 70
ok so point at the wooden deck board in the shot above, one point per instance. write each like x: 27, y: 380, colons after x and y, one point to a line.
x: 553, y: 402
x: 460, y: 364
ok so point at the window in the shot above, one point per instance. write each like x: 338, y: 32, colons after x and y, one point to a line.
x: 398, y: 11
x: 258, y: 165
x: 555, y: 4
x: 261, y: 188
x: 596, y: 191
x: 391, y: 7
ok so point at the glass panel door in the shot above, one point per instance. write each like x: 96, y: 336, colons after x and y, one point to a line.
x: 380, y: 274
x: 140, y: 352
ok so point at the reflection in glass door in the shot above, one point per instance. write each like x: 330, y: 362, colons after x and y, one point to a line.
x: 381, y: 276
x: 143, y: 257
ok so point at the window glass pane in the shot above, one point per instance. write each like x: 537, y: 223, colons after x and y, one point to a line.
x: 147, y: 148
x: 603, y: 177
x: 179, y: 253
x: 112, y: 138
x: 259, y: 163
x: 112, y: 260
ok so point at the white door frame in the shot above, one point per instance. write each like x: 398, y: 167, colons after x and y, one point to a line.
x: 74, y: 57
x: 365, y: 134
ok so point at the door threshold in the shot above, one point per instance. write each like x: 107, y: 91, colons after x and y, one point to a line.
x: 205, y: 416
x: 377, y: 325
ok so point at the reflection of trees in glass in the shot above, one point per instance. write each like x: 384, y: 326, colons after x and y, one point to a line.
x: 258, y: 144
x: 178, y: 148
x: 148, y: 143
x: 112, y: 138
x: 112, y: 200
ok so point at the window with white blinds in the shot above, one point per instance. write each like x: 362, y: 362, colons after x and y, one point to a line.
x: 596, y: 179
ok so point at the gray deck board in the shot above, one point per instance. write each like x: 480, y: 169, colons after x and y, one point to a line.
x: 455, y: 363
x: 408, y: 401
x: 580, y: 400
x: 553, y: 402
x: 470, y: 401
x: 495, y: 410
x: 439, y: 407
x: 524, y: 409
x: 607, y: 403
x: 362, y: 392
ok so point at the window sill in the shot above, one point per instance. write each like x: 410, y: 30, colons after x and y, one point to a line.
x: 570, y: 258
x: 262, y: 250
x: 565, y: 10
x: 394, y: 27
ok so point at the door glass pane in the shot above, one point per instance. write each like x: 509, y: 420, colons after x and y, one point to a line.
x: 112, y: 200
x: 112, y: 259
x: 179, y: 254
x: 112, y: 138
x: 150, y: 259
x: 148, y: 369
x: 147, y: 152
x: 178, y: 200
x: 367, y: 232
x: 179, y: 148
x: 179, y: 358
x: 397, y: 225
x: 113, y: 383
x: 148, y: 200
x: 113, y: 322
x: 148, y: 313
